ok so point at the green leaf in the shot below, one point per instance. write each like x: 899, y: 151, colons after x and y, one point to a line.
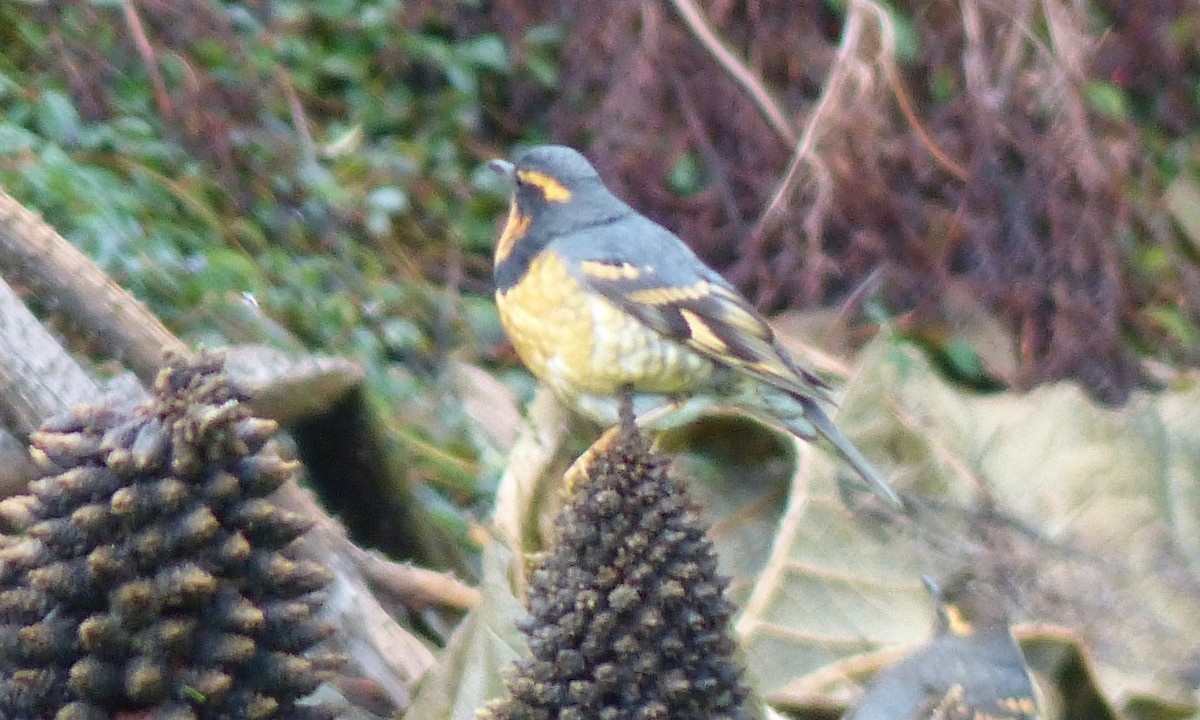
x: 57, y: 117
x: 687, y: 175
x: 1183, y: 202
x: 1107, y: 99
x: 486, y: 51
x: 15, y: 139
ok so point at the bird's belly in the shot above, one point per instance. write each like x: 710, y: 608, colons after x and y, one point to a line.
x: 581, y: 344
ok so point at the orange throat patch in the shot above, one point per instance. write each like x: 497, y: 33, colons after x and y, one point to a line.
x: 514, y: 229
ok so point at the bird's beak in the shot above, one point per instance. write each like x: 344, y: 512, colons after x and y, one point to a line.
x: 503, y: 167
x: 932, y: 586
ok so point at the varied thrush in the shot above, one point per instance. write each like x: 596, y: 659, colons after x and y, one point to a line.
x: 599, y: 300
x: 971, y: 669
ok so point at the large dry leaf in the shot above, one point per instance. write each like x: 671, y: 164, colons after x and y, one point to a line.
x: 1089, y: 513
x: 470, y: 670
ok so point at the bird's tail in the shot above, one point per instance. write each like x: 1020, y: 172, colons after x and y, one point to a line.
x: 816, y: 417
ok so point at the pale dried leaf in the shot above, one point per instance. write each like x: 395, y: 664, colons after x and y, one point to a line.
x: 470, y: 670
x: 1073, y: 504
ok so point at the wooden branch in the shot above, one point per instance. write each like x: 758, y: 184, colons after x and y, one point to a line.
x: 37, y: 379
x: 73, y: 285
x: 417, y: 588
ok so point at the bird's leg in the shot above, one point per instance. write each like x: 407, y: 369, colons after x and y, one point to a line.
x: 625, y: 413
x: 627, y: 421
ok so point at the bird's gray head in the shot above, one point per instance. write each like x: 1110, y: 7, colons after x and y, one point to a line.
x: 551, y: 174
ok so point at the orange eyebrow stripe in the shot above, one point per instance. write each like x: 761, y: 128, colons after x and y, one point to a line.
x: 514, y: 230
x: 553, y: 190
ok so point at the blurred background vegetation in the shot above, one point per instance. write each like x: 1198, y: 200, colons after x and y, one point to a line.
x: 308, y: 175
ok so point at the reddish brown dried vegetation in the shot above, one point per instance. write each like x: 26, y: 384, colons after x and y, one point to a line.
x: 1000, y: 173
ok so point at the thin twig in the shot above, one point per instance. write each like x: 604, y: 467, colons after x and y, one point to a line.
x: 838, y: 76
x: 841, y: 71
x: 162, y: 99
x: 720, y: 178
x: 307, y: 146
x: 887, y: 58
x: 736, y: 68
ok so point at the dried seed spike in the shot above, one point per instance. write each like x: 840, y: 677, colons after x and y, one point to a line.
x: 229, y: 648
x: 609, y: 589
x: 103, y: 635
x: 268, y: 525
x: 255, y: 432
x: 146, y: 681
x: 193, y: 530
x: 149, y: 448
x: 237, y: 614
x: 68, y: 449
x: 185, y: 583
x: 134, y: 600
x: 19, y: 512
x: 262, y: 474
x: 95, y: 680
x: 222, y: 487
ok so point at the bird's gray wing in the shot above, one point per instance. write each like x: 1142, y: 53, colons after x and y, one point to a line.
x: 649, y: 273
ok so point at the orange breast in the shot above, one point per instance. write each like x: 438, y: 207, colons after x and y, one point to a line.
x: 583, y: 344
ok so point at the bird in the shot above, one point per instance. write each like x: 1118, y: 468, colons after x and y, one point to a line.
x: 972, y: 667
x: 600, y: 301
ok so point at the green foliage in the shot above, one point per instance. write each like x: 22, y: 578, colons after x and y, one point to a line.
x: 687, y: 175
x: 321, y: 161
x: 1107, y: 99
